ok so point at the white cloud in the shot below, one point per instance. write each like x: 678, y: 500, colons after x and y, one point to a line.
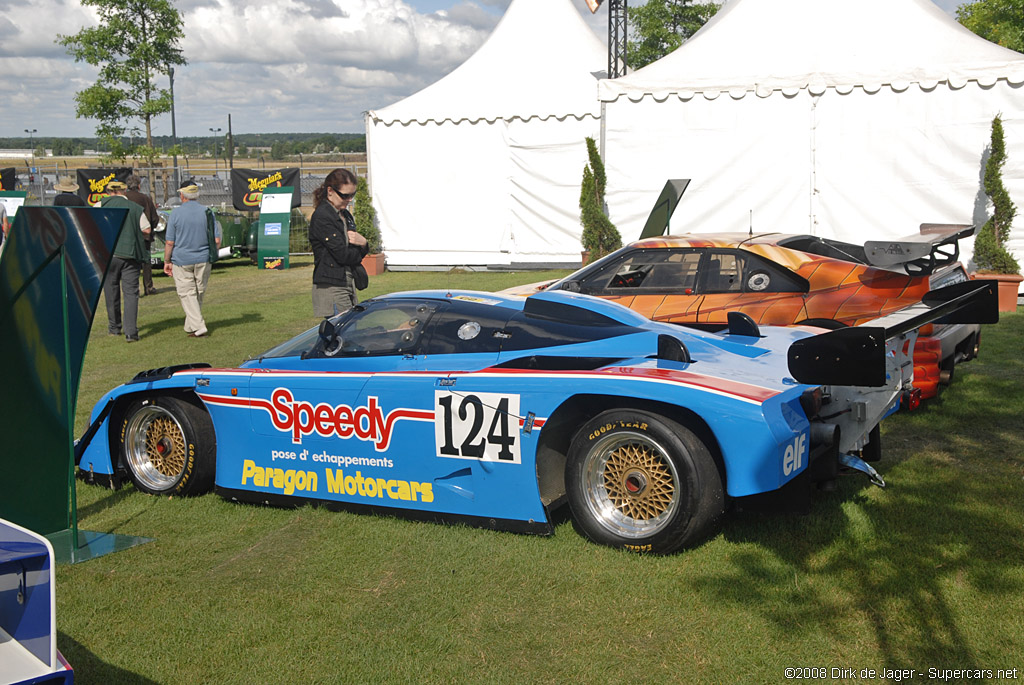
x: 294, y: 65
x: 291, y: 65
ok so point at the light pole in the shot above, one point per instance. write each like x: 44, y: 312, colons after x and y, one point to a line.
x: 215, y: 132
x: 31, y: 144
x: 174, y: 132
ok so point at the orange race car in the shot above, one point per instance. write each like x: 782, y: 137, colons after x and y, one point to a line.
x: 781, y: 279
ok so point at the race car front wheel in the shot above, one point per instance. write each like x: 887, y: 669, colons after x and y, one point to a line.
x: 642, y: 482
x: 168, y: 446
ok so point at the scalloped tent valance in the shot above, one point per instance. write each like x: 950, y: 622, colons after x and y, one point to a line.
x: 418, y: 121
x: 762, y: 91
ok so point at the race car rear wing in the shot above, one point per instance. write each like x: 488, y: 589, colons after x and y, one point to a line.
x: 857, y: 355
x: 934, y: 247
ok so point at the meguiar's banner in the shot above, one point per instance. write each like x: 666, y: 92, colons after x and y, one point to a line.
x: 247, y: 186
x: 92, y: 183
x: 7, y: 178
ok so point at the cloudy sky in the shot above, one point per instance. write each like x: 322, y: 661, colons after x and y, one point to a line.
x: 284, y: 66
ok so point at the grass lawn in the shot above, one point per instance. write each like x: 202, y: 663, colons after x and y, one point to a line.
x: 926, y: 574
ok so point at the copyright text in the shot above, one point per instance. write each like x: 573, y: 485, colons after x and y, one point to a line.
x: 900, y: 674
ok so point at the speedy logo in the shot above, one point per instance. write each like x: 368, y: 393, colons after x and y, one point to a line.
x: 793, y: 458
x: 367, y: 423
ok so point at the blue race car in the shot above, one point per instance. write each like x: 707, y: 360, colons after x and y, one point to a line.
x: 493, y: 410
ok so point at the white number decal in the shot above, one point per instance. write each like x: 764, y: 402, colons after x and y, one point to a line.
x: 482, y: 426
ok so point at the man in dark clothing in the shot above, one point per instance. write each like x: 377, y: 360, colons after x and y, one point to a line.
x: 67, y: 193
x: 125, y: 264
x: 149, y: 208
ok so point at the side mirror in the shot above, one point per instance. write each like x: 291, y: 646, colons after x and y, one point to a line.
x: 327, y: 331
x: 329, y: 336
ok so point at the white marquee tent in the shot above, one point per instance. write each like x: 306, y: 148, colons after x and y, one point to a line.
x: 848, y: 120
x: 484, y: 166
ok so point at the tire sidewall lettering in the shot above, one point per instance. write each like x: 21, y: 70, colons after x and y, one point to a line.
x: 636, y: 425
x: 186, y: 472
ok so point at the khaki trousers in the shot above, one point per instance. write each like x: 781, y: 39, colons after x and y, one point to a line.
x: 190, y: 282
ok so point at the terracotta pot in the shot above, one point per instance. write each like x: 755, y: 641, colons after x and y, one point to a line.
x: 585, y: 256
x: 374, y: 264
x: 1009, y: 284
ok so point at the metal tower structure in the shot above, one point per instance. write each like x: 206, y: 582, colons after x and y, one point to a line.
x: 616, y: 38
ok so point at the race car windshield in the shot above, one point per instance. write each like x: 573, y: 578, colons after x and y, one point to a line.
x: 304, y: 342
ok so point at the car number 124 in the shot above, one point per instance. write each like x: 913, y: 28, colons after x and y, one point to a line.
x: 481, y: 426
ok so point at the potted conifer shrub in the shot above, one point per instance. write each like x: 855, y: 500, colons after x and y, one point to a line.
x: 599, y: 234
x: 366, y: 225
x: 991, y: 257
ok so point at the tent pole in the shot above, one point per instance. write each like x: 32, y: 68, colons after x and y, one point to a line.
x: 601, y: 142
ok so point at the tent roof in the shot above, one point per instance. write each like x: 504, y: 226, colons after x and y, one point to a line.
x: 764, y: 46
x: 542, y: 60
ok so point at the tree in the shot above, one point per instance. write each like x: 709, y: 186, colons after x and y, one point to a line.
x: 366, y: 217
x: 661, y: 26
x: 990, y: 253
x: 1000, y: 21
x: 136, y: 41
x: 599, y: 234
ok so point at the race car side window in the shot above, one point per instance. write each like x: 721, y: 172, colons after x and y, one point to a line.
x: 660, y: 270
x: 736, y: 271
x: 388, y: 327
x: 722, y: 272
x: 466, y: 328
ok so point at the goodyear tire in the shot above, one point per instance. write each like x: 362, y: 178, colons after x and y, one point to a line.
x: 168, y: 446
x: 642, y: 482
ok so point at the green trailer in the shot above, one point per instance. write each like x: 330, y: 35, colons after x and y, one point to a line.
x: 238, y: 236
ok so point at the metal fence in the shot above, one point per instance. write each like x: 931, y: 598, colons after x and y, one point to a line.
x: 214, y: 180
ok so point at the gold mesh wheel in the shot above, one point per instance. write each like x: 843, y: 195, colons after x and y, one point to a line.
x: 631, y: 484
x: 155, y: 447
x: 639, y: 483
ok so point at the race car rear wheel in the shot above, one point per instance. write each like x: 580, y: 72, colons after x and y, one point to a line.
x: 168, y: 446
x: 642, y: 482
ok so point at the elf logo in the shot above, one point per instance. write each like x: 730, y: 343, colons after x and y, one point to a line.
x: 793, y: 459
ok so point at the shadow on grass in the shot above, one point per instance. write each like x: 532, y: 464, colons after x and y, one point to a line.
x: 112, y: 499
x: 155, y: 327
x: 90, y: 669
x: 905, y: 558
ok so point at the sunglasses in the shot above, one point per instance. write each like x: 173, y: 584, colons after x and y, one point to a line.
x: 344, y: 196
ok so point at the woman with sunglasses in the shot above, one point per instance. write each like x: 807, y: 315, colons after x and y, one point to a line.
x: 337, y: 247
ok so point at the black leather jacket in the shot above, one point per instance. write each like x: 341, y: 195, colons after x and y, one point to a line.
x: 333, y: 256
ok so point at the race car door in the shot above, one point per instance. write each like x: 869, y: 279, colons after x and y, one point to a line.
x: 658, y: 283
x: 455, y: 424
x: 311, y: 412
x: 734, y: 280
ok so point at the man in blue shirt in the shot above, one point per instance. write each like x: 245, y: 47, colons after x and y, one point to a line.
x: 187, y: 257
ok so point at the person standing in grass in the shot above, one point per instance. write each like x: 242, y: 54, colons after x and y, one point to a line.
x: 136, y: 195
x: 3, y: 226
x: 67, y: 195
x: 337, y: 248
x: 189, y: 249
x: 125, y: 264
